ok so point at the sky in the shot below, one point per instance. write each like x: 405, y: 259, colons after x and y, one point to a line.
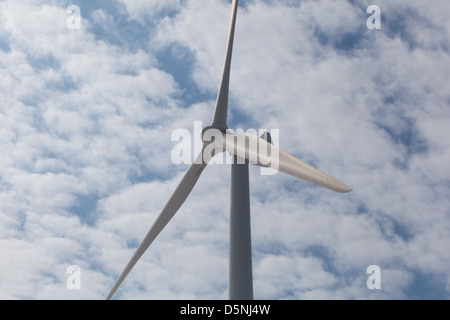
x: 87, y: 116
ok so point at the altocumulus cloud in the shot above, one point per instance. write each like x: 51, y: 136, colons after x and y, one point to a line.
x: 86, y: 118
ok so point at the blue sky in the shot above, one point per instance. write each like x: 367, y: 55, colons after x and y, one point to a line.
x: 86, y: 118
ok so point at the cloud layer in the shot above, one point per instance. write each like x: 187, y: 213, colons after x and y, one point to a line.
x: 86, y: 118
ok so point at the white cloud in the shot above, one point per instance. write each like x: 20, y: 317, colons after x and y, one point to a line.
x: 140, y: 10
x: 85, y: 128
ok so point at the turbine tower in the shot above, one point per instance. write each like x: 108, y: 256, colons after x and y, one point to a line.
x: 244, y: 148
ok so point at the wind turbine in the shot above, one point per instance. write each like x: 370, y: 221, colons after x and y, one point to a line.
x: 242, y: 146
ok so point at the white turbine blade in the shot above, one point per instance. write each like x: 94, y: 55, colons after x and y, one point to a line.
x: 221, y: 109
x: 178, y: 197
x: 258, y: 151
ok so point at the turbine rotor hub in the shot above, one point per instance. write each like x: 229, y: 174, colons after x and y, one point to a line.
x: 210, y: 133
